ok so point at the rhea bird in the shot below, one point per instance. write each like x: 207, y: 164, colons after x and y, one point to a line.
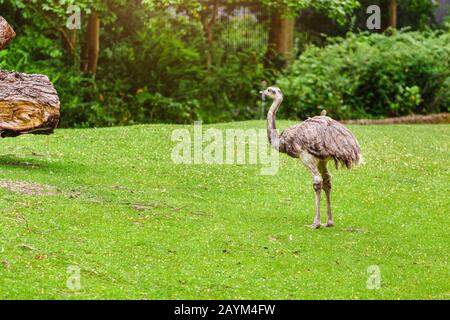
x: 315, y: 141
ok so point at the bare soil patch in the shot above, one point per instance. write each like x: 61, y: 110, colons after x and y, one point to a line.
x: 420, y: 119
x: 29, y: 188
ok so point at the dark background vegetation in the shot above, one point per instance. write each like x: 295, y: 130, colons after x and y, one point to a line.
x: 177, y: 61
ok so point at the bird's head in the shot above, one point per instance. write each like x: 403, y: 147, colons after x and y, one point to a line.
x: 273, y: 92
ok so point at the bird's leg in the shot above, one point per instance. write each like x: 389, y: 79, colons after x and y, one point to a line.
x: 327, y: 188
x: 312, y: 163
x: 318, y: 188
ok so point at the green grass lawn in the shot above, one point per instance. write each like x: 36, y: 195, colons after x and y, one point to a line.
x: 140, y: 227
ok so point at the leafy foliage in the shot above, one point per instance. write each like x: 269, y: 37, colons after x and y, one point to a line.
x: 371, y: 75
x: 152, y: 64
x: 335, y: 9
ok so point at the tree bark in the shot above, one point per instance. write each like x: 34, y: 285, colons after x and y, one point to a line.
x: 208, y: 28
x: 28, y: 104
x: 6, y: 33
x: 92, y: 45
x: 281, y: 37
x: 210, y: 40
x: 393, y: 14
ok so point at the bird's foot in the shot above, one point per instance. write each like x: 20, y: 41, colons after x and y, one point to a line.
x: 313, y: 226
x: 328, y: 224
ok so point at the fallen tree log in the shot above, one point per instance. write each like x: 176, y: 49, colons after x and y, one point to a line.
x: 6, y: 33
x: 28, y: 104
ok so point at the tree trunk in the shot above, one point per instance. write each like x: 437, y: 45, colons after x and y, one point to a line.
x: 92, y: 45
x: 210, y: 40
x: 393, y: 14
x: 208, y: 28
x: 6, y: 33
x: 28, y: 104
x: 281, y: 37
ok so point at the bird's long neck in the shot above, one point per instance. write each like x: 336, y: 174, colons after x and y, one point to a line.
x: 272, y: 134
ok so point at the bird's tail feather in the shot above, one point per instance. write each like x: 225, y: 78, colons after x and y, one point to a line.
x: 349, y: 163
x: 361, y: 161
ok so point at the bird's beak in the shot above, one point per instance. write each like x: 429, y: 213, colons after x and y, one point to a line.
x: 261, y: 92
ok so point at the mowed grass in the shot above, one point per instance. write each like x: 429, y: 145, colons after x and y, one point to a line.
x: 140, y: 227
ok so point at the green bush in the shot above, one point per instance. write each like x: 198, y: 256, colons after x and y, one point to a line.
x: 149, y: 70
x: 371, y: 75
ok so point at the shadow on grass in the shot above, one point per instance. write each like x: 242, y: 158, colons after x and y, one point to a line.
x: 28, y: 163
x: 19, y: 162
